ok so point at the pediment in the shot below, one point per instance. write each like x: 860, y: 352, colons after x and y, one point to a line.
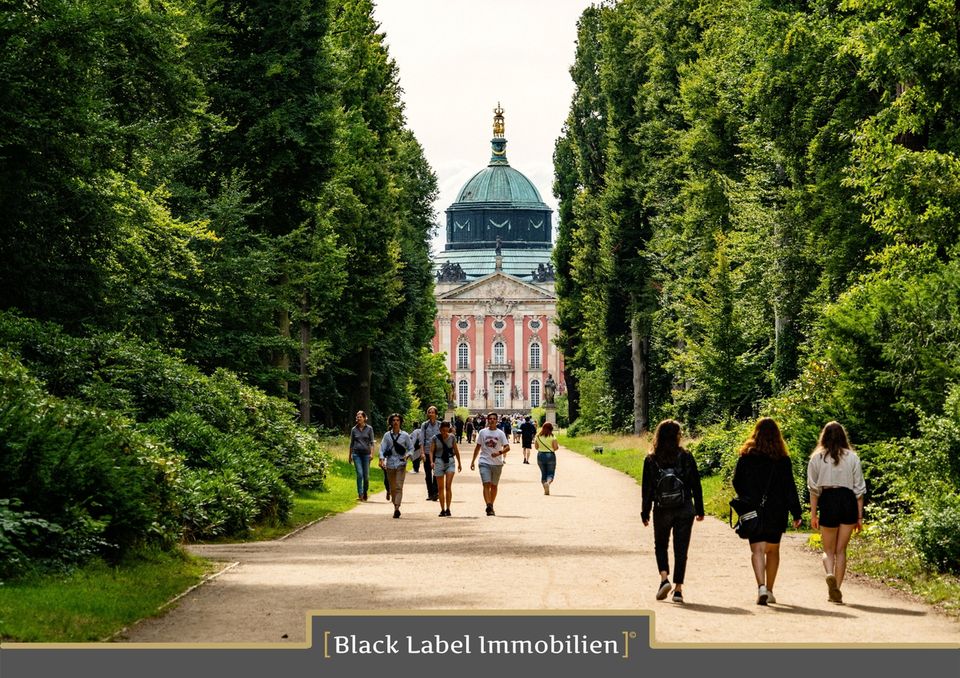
x: 497, y: 287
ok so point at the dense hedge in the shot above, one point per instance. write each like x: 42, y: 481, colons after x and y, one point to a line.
x: 169, y: 450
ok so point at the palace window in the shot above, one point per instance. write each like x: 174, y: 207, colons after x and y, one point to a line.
x: 535, y: 393
x: 499, y: 394
x: 463, y: 356
x: 463, y: 393
x: 499, y: 353
x: 535, y: 356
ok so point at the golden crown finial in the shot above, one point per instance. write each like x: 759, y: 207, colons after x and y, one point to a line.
x: 498, y: 128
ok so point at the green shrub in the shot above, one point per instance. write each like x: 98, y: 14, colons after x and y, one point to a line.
x: 100, y: 485
x: 936, y: 533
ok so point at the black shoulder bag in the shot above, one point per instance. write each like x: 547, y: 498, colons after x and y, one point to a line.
x: 750, y: 516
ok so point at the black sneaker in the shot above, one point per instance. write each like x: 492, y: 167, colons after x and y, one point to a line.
x: 663, y: 589
x: 489, y: 509
x: 448, y: 513
x: 396, y: 513
x: 677, y: 597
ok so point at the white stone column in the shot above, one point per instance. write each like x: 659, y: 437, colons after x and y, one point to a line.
x: 518, y: 350
x: 552, y: 351
x: 444, y: 321
x: 480, y: 373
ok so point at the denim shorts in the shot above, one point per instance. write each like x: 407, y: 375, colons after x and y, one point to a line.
x: 441, y: 467
x: 490, y: 474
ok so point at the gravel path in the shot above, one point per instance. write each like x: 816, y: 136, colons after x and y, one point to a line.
x: 583, y: 547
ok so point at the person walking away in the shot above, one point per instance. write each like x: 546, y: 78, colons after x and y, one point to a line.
x: 835, y: 481
x: 361, y: 449
x: 527, y: 432
x: 428, y: 431
x: 444, y: 451
x: 468, y: 429
x: 504, y: 425
x: 547, y: 446
x: 396, y: 448
x: 419, y: 449
x: 764, y: 478
x: 458, y: 426
x: 671, y: 486
x: 492, y: 444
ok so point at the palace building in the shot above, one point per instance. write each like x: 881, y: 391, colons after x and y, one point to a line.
x: 496, y: 304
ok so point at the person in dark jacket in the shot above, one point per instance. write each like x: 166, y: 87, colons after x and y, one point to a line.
x: 458, y: 428
x: 671, y: 485
x: 764, y: 474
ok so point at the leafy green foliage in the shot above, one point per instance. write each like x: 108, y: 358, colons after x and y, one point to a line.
x: 936, y: 534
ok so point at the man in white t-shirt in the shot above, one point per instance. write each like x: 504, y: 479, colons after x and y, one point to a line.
x: 492, y: 444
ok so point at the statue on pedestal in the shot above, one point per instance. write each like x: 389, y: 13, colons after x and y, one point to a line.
x: 549, y: 389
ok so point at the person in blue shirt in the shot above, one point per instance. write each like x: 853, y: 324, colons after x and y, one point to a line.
x: 396, y: 448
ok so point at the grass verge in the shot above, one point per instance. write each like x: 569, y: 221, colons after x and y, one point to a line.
x: 95, y: 601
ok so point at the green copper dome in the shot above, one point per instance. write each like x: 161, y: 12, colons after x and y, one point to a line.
x: 499, y: 183
x: 498, y: 208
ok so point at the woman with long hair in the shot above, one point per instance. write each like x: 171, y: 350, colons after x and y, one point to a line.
x: 445, y: 460
x: 361, y: 447
x: 764, y: 477
x: 835, y: 481
x: 671, y: 486
x: 547, y: 447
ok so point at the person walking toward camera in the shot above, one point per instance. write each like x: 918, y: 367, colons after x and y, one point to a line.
x: 395, y: 449
x: 763, y: 478
x: 361, y: 449
x: 671, y: 486
x: 547, y: 447
x: 835, y: 481
x: 443, y: 453
x: 428, y: 431
x: 492, y: 444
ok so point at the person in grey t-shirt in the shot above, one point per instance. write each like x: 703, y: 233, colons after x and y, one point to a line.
x: 361, y: 447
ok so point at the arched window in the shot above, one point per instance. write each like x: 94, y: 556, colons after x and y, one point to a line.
x: 499, y: 353
x: 535, y: 393
x: 463, y: 356
x: 463, y: 393
x: 535, y: 356
x: 499, y: 394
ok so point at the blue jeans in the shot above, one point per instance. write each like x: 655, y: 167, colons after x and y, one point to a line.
x: 361, y: 462
x: 547, y: 461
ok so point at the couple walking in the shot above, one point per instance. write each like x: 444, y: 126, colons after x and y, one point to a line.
x: 763, y: 479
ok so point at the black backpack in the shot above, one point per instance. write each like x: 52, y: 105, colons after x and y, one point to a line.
x: 670, y: 490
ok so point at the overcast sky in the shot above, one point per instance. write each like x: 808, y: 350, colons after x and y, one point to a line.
x: 458, y: 58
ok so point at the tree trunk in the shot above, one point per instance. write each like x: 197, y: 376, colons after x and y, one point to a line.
x: 305, y: 361
x: 641, y: 387
x: 282, y: 358
x: 362, y: 391
x: 573, y: 395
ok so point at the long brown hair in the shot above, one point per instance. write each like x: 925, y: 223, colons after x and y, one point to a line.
x: 833, y: 441
x: 546, y: 429
x: 766, y: 440
x: 666, y: 442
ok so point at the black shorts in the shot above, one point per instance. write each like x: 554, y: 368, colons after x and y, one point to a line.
x: 837, y: 506
x: 769, y: 536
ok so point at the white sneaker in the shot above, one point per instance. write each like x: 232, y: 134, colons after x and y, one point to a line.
x: 771, y: 600
x: 546, y: 488
x: 762, y: 595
